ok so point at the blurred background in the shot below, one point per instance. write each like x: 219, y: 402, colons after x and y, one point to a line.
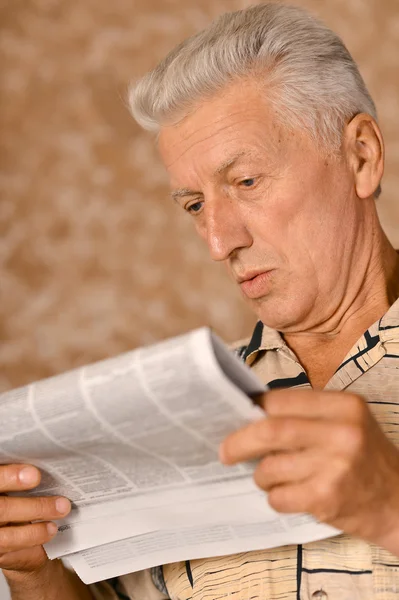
x: 95, y: 259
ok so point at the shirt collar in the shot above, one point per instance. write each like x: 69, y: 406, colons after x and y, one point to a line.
x: 266, y: 338
x: 263, y: 338
x: 389, y: 324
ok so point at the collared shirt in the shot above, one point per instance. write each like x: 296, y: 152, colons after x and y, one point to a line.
x: 339, y: 568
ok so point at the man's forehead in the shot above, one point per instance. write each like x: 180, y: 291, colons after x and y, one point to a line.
x: 220, y: 150
x: 221, y: 120
x: 196, y: 132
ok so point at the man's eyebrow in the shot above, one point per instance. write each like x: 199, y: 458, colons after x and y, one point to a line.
x: 183, y: 193
x: 227, y: 164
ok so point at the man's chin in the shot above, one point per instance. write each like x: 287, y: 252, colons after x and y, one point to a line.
x: 262, y: 307
x: 274, y: 312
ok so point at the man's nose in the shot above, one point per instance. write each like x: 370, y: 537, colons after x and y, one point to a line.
x: 225, y: 228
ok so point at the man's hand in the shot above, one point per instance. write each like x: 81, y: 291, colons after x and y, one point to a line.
x: 323, y: 453
x: 21, y: 540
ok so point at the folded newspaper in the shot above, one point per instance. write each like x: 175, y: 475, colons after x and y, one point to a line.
x: 133, y: 442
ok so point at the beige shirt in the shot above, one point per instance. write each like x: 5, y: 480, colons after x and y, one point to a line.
x: 340, y: 568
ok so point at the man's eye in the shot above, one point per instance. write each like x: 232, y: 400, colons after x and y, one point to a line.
x: 194, y: 208
x: 248, y: 182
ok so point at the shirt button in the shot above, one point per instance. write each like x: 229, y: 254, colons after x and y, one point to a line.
x: 319, y: 595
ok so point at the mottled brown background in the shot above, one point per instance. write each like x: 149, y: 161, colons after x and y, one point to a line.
x: 94, y: 258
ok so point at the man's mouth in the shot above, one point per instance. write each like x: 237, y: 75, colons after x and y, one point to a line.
x: 255, y: 284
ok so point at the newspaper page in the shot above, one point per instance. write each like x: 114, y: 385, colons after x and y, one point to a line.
x: 199, y: 541
x: 130, y: 427
x: 133, y: 442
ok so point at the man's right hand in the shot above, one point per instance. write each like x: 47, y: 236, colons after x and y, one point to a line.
x: 21, y: 540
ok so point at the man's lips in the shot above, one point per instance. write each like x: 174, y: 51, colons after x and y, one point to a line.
x: 250, y: 275
x: 255, y: 284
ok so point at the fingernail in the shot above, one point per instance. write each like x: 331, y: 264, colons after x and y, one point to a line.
x: 52, y: 528
x: 28, y: 476
x: 62, y: 505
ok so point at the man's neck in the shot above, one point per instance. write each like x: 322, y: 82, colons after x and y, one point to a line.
x: 321, y: 353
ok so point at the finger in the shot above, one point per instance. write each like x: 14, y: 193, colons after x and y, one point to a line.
x: 19, y: 510
x: 28, y: 559
x: 299, y: 403
x: 14, y: 478
x: 274, y: 434
x: 312, y: 404
x: 18, y: 538
x: 292, y: 498
x: 286, y: 468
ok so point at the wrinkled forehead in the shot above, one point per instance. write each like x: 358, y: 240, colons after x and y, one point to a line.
x: 214, y: 151
x: 216, y: 129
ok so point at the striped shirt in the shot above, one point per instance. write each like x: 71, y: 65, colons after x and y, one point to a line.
x: 340, y: 568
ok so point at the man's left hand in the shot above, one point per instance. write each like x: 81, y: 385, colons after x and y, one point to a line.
x: 323, y: 453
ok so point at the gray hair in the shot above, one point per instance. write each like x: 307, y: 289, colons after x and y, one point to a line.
x: 310, y: 77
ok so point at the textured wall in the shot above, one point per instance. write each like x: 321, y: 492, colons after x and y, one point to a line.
x: 94, y: 257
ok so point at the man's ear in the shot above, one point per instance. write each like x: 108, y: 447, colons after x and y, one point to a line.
x: 365, y: 151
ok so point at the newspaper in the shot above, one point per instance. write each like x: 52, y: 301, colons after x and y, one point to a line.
x: 133, y: 442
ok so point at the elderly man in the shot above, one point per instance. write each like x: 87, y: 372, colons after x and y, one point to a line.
x: 271, y: 142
